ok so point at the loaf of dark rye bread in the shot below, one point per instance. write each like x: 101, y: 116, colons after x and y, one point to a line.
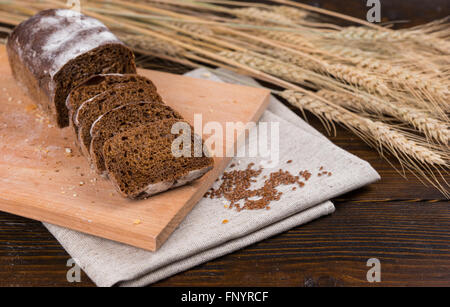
x: 121, y: 119
x: 56, y: 50
x: 70, y: 62
x: 140, y: 162
x: 93, y: 108
x: 99, y: 83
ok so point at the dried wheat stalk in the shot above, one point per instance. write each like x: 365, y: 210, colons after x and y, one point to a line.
x: 297, y: 75
x: 194, y: 28
x: 378, y: 131
x: 358, y: 77
x: 288, y: 37
x: 285, y: 71
x: 371, y: 35
x: 290, y: 12
x: 408, y: 80
x: 253, y: 13
x: 432, y: 128
x: 151, y: 45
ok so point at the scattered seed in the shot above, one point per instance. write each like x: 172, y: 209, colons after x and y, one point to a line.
x: 235, y: 188
x: 305, y: 174
x: 224, y: 221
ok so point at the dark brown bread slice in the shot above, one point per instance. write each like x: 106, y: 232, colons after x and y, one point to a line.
x: 56, y: 50
x: 91, y: 109
x: 99, y: 83
x: 121, y: 119
x: 140, y: 162
x: 136, y: 85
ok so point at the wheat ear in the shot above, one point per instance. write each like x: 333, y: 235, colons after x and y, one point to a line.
x: 358, y: 77
x: 288, y: 37
x: 394, y: 140
x: 149, y: 44
x: 410, y: 154
x: 294, y: 74
x: 409, y: 80
x: 290, y: 12
x: 355, y: 55
x: 366, y: 34
x: 257, y: 14
x: 432, y: 128
x: 276, y: 68
x: 194, y: 28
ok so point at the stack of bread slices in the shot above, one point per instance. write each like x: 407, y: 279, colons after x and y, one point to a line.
x: 84, y: 77
x: 124, y: 128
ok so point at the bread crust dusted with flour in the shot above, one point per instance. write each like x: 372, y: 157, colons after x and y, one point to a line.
x: 56, y: 50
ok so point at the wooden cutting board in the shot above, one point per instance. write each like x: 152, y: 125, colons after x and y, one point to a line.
x: 43, y: 177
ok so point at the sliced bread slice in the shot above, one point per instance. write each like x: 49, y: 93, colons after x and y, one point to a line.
x: 140, y: 162
x: 93, y: 108
x: 99, y: 83
x: 121, y: 119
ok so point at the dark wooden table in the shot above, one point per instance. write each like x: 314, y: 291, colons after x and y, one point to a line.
x: 401, y: 222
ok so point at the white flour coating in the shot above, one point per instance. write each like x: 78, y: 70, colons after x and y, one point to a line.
x: 88, y: 43
x: 66, y: 34
x: 67, y: 13
x: 45, y: 22
x: 51, y: 49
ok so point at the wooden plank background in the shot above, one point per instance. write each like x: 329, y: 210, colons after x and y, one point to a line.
x: 398, y: 221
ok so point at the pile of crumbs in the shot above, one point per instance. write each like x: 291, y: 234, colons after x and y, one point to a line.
x: 236, y: 187
x: 68, y: 152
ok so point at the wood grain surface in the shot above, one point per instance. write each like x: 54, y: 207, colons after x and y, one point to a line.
x: 401, y: 222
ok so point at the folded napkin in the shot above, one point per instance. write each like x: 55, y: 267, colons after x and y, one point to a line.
x: 202, y: 236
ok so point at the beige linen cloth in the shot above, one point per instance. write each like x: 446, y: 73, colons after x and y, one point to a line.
x: 202, y: 236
